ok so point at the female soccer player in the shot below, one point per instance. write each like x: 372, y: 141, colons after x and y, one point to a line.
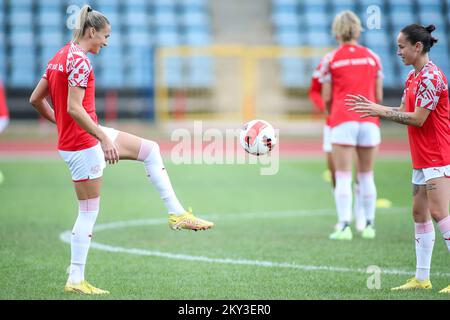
x: 315, y: 95
x: 425, y: 110
x: 352, y: 68
x: 85, y: 145
x: 4, y: 113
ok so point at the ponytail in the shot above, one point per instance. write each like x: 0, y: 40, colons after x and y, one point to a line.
x: 88, y: 18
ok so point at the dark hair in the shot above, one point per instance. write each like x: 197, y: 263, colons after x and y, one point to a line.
x: 417, y: 33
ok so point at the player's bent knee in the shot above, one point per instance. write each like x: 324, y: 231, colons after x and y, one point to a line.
x: 147, y: 147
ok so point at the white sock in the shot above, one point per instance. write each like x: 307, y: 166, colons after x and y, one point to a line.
x: 343, y: 196
x: 444, y: 227
x: 424, y: 238
x: 368, y: 193
x: 80, y: 240
x: 357, y: 204
x: 150, y: 154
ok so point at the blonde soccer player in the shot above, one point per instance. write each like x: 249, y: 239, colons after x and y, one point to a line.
x: 315, y: 96
x: 354, y: 69
x: 425, y: 109
x: 86, y: 146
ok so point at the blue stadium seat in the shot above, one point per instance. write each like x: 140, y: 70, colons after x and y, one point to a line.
x: 50, y: 37
x: 200, y: 72
x: 430, y: 5
x: 194, y: 4
x: 293, y: 71
x: 401, y: 20
x: 285, y: 19
x: 432, y: 17
x: 197, y: 37
x: 317, y: 20
x: 343, y: 5
x: 165, y: 18
x: 22, y: 38
x: 315, y: 5
x: 136, y: 19
x: 139, y: 37
x: 318, y: 38
x: 49, y: 18
x: 167, y: 37
x: 378, y: 38
x: 21, y: 18
x: 164, y: 4
x: 366, y: 3
x: 173, y: 74
x: 289, y: 37
x: 195, y: 19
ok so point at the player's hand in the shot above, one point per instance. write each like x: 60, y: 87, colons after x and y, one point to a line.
x: 110, y: 150
x: 361, y: 104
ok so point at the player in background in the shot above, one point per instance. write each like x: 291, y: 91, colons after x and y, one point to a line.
x: 315, y: 95
x: 85, y: 145
x: 354, y: 69
x: 425, y: 110
x: 4, y: 113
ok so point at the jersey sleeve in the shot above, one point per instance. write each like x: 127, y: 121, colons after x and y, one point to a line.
x: 429, y: 90
x: 78, y: 70
x: 324, y: 73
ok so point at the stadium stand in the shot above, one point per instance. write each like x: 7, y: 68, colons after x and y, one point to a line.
x: 308, y: 23
x: 33, y: 30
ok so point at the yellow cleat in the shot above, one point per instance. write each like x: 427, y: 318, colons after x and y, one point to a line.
x: 413, y: 284
x: 445, y: 290
x: 368, y: 232
x: 83, y: 287
x: 188, y: 221
x: 343, y: 234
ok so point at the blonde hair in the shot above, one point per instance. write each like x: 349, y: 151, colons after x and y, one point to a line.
x: 347, y: 26
x: 88, y: 18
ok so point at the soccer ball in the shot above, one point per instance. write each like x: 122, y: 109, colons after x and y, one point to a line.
x: 257, y: 137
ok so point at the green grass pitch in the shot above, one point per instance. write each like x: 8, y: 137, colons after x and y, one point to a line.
x: 270, y: 240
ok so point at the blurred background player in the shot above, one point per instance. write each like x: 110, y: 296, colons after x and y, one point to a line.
x: 425, y: 110
x: 4, y: 113
x: 352, y: 68
x: 84, y: 145
x: 315, y: 95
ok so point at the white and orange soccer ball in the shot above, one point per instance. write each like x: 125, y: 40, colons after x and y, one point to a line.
x: 258, y: 137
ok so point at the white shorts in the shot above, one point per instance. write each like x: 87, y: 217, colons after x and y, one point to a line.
x: 3, y: 123
x: 421, y: 176
x: 88, y: 163
x: 326, y: 145
x: 353, y: 133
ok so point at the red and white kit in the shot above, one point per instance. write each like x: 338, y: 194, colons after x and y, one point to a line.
x: 352, y: 69
x: 82, y: 152
x: 429, y: 144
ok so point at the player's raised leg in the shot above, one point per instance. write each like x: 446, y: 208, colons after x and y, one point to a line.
x: 135, y: 148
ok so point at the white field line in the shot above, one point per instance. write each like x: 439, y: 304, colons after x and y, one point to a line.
x: 65, y: 237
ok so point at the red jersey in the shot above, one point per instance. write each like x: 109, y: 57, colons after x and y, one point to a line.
x: 429, y: 144
x: 351, y: 69
x: 71, y: 67
x: 3, y: 106
x: 315, y: 92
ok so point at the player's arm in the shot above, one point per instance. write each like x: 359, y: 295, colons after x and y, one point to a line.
x: 326, y: 96
x: 379, y: 89
x: 76, y: 110
x: 368, y: 108
x: 39, y: 102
